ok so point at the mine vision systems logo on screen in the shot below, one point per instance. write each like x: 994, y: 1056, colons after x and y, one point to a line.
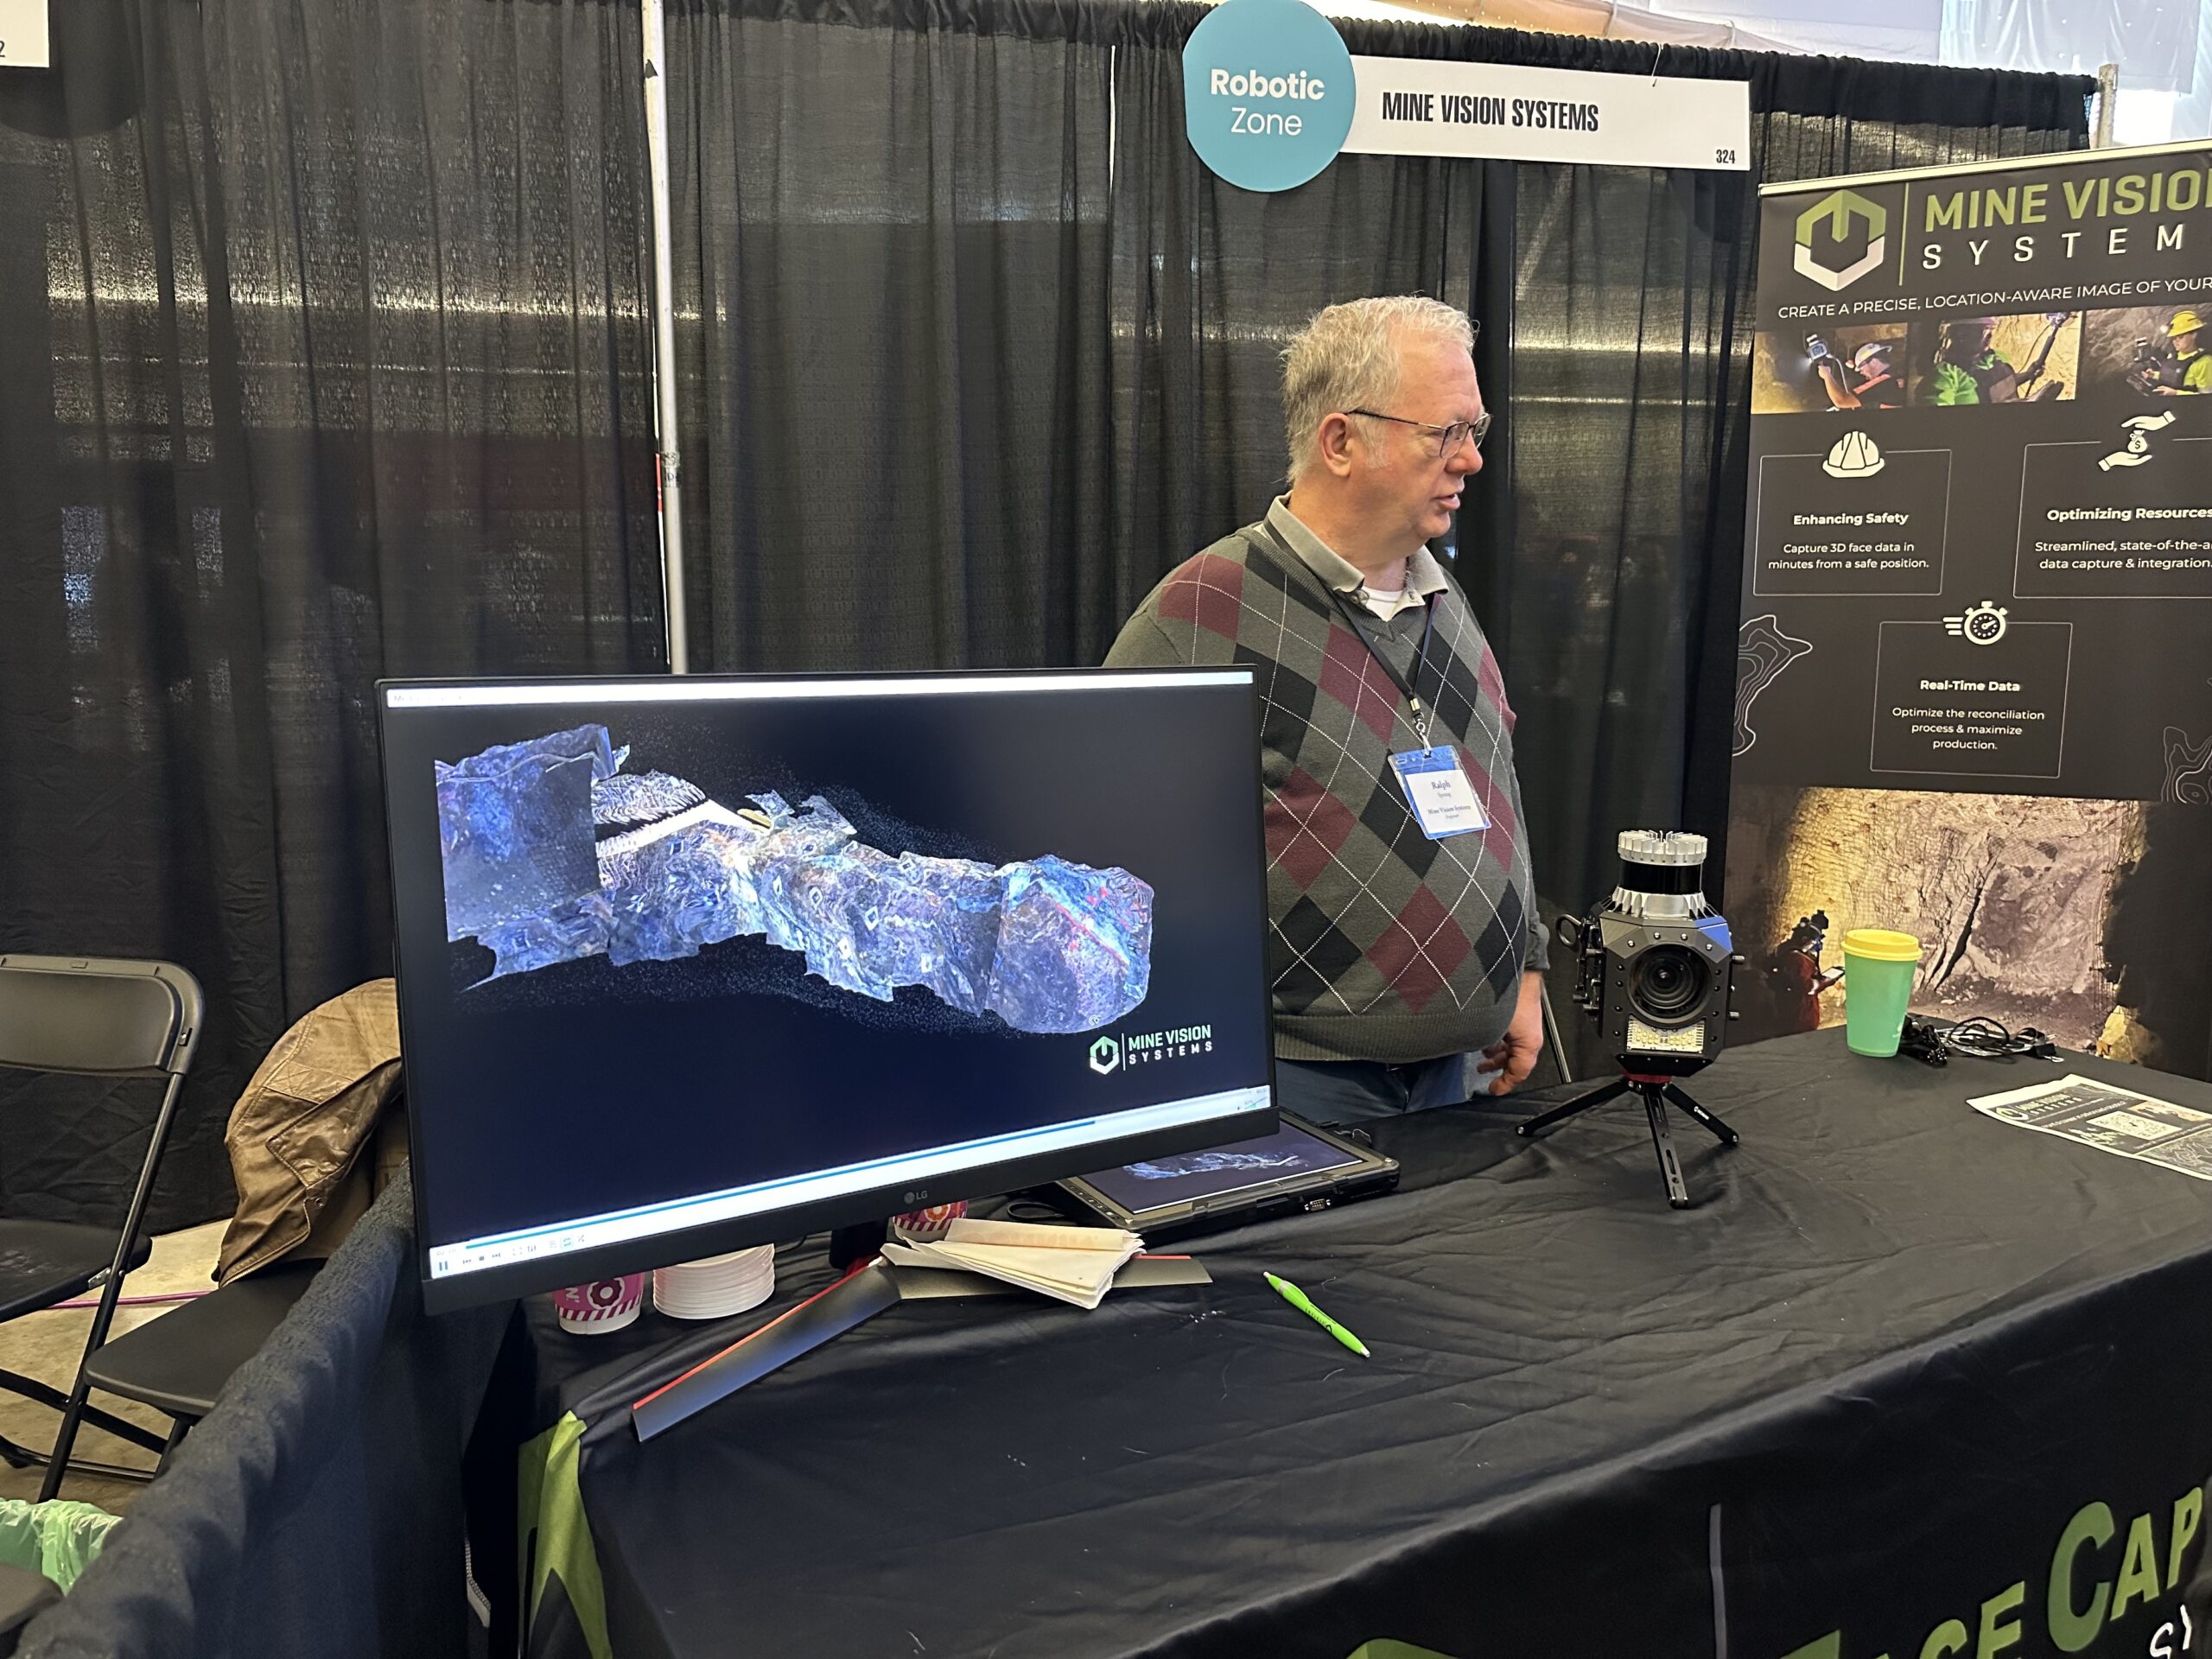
x: 1110, y: 1053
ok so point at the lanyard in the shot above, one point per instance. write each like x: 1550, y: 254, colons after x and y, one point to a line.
x: 1410, y: 689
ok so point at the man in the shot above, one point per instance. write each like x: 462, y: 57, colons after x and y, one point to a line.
x: 1401, y: 905
x: 1969, y: 369
x: 1869, y: 382
x: 2191, y: 373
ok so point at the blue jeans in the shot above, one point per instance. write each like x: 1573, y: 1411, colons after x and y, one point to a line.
x: 1356, y: 1091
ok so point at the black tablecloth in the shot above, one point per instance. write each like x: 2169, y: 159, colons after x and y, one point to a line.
x: 1859, y: 1391
x: 318, y: 1509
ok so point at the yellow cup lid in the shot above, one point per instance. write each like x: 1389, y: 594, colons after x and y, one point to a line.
x: 1880, y: 944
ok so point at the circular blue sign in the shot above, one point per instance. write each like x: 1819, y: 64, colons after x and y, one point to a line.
x: 1267, y: 93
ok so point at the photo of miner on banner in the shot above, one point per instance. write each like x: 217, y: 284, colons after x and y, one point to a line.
x: 1841, y: 368
x: 2153, y: 350
x: 2030, y: 358
x: 1784, y: 995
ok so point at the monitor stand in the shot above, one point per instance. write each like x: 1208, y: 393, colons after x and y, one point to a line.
x: 854, y: 1299
x: 863, y: 1241
x: 863, y: 1293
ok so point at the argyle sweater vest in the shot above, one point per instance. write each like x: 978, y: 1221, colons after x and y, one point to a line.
x: 1385, y: 945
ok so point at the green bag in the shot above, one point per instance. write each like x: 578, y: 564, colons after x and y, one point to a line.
x: 57, y: 1539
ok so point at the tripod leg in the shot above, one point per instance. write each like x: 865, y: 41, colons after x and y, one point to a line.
x: 1551, y: 1034
x: 1721, y: 1132
x: 1613, y: 1090
x: 1655, y: 1108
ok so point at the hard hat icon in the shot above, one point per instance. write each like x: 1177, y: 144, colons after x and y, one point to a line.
x: 1853, y: 456
x: 2184, y: 322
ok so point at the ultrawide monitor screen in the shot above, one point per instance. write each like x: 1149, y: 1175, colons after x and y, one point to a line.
x: 690, y: 964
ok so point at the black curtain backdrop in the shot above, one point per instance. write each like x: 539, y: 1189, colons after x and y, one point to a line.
x: 327, y: 358
x: 329, y: 361
x: 891, y: 213
x: 891, y: 276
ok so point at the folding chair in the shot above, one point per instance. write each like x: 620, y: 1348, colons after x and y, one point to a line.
x: 102, y: 1018
x: 179, y: 1363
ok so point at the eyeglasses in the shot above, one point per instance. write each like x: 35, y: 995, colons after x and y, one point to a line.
x: 1448, y: 438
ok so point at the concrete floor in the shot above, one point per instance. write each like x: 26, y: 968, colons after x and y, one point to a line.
x: 48, y: 1345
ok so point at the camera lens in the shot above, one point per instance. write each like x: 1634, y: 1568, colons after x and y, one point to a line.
x: 1669, y: 984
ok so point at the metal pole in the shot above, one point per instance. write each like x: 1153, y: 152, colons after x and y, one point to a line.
x: 671, y: 457
x: 2108, y: 95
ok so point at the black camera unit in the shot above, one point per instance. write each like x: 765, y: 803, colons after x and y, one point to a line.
x: 2152, y: 367
x: 1656, y: 969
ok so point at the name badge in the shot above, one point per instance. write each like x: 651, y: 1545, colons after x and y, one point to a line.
x: 1437, y: 789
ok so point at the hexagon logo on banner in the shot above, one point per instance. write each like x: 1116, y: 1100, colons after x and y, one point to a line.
x: 1839, y: 212
x: 1267, y: 93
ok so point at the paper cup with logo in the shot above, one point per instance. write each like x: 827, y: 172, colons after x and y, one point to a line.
x: 1879, y: 966
x: 604, y: 1304
x: 923, y: 1224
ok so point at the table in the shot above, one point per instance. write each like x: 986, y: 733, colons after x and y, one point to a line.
x: 1906, y: 1380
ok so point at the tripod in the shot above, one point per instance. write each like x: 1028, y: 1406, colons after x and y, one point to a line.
x: 1657, y: 1093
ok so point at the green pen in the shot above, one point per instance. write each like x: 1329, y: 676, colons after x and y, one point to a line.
x: 1298, y: 1300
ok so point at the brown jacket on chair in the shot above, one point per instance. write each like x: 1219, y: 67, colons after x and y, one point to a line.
x: 297, y: 1134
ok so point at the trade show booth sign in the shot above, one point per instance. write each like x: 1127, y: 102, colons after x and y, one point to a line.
x: 1974, y: 691
x: 1272, y: 97
x: 24, y: 41
x: 1979, y: 540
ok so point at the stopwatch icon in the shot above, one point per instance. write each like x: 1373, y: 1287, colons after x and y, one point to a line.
x: 1984, y: 623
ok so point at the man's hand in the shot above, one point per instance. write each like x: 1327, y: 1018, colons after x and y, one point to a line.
x: 1513, y: 1057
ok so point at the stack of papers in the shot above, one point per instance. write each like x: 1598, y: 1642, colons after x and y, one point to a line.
x: 1072, y: 1264
x: 2134, y: 1125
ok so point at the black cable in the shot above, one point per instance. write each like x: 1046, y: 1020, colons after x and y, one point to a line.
x: 1980, y: 1038
x: 1922, y: 1042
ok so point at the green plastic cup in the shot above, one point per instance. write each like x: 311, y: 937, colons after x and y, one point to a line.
x: 1878, y: 972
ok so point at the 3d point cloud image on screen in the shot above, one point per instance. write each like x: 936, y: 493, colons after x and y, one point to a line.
x: 553, y: 852
x: 1214, y: 1162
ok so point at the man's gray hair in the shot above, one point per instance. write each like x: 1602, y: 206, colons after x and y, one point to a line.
x: 1347, y: 358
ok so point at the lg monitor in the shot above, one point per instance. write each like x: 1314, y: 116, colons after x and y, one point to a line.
x: 690, y: 964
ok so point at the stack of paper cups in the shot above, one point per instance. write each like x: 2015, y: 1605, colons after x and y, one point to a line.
x: 718, y: 1286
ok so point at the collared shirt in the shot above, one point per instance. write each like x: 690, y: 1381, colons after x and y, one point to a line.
x: 1345, y: 986
x: 1424, y: 575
